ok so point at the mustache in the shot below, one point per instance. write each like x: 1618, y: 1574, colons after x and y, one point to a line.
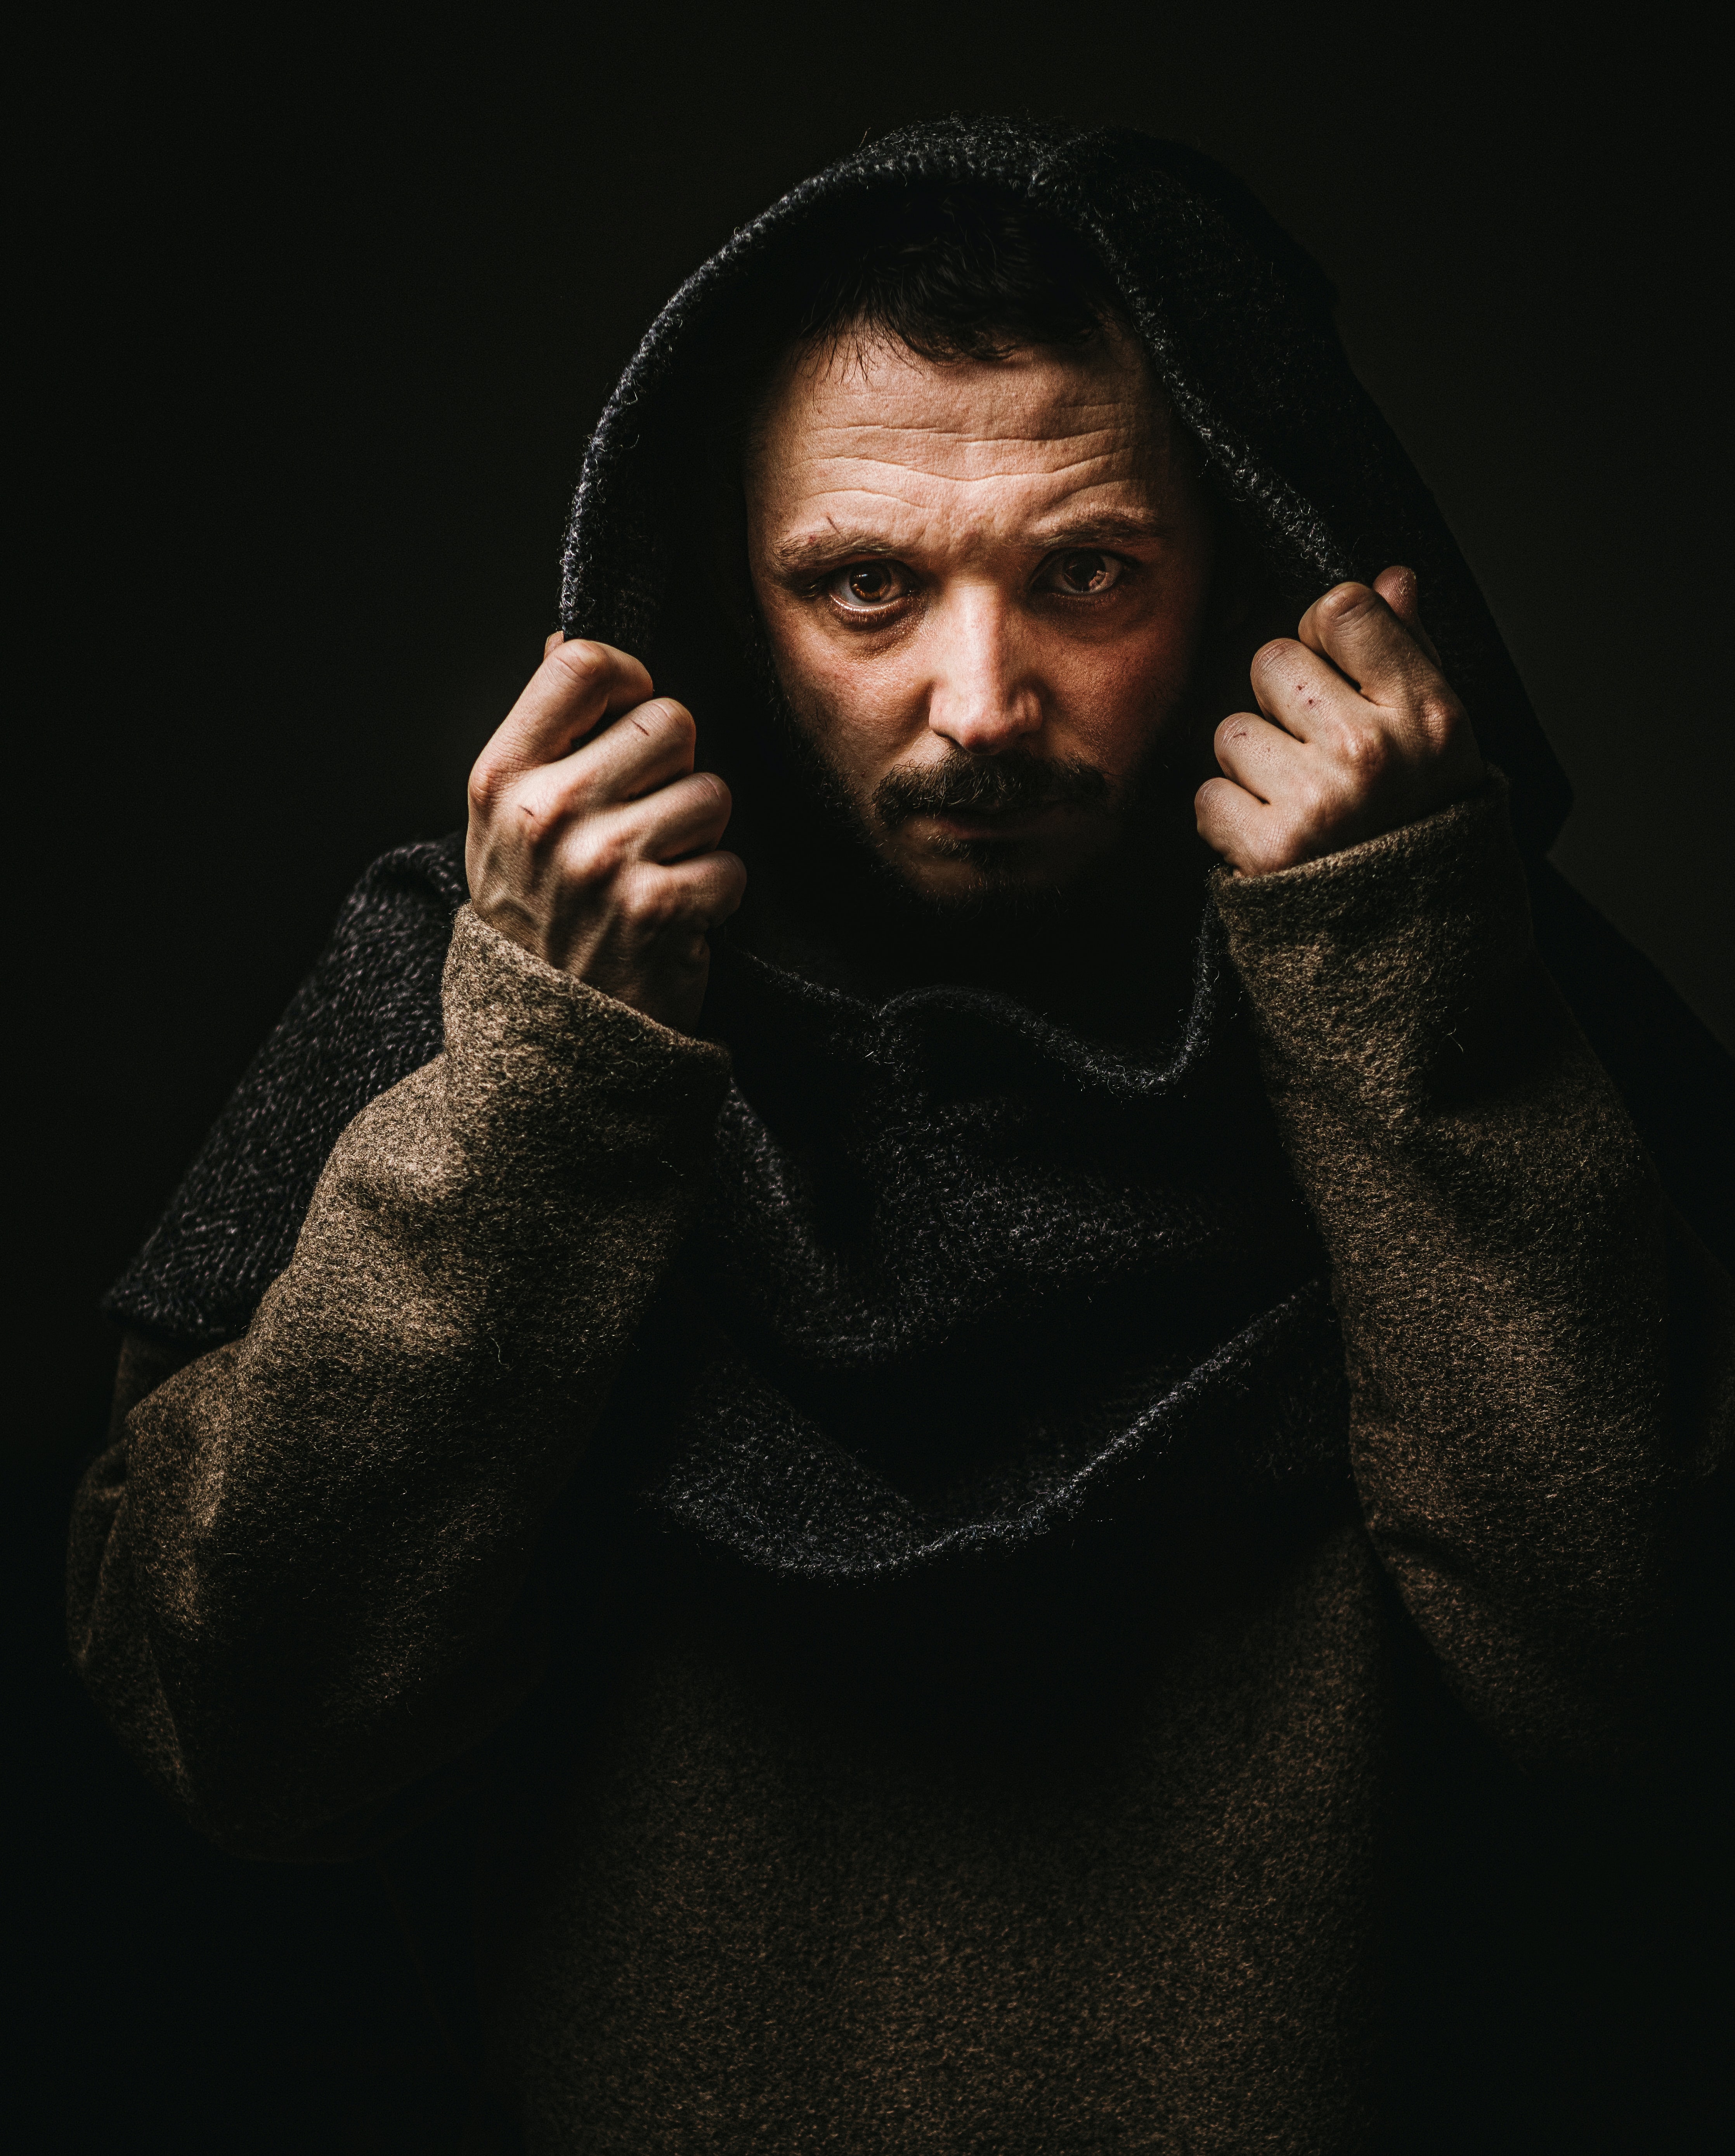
x: 1013, y: 782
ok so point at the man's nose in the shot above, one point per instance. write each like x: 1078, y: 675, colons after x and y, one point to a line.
x: 982, y: 696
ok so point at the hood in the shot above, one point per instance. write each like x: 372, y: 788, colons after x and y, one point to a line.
x: 1237, y: 320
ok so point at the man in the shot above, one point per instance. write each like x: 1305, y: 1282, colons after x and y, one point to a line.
x: 951, y: 1466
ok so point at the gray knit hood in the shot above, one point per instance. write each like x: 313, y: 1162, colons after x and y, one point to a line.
x: 1237, y: 323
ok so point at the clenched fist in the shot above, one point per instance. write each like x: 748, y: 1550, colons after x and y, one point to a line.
x: 1357, y: 732
x: 595, y: 845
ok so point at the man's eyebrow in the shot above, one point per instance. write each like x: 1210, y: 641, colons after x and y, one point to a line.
x: 805, y: 548
x: 1109, y: 527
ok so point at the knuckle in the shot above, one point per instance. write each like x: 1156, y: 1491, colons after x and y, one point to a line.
x: 1440, y: 715
x: 583, y: 661
x: 598, y: 854
x: 673, y: 721
x: 487, y: 781
x: 1365, y: 753
x: 541, y: 814
x: 652, y: 899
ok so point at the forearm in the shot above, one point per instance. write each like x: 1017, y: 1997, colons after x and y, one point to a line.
x: 299, y: 1585
x: 1532, y: 1424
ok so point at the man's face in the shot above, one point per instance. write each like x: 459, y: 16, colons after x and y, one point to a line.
x: 982, y: 584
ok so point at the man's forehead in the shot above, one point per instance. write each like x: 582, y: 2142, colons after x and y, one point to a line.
x: 880, y: 436
x: 1043, y: 409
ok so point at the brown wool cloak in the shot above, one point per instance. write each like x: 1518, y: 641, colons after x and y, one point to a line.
x: 1088, y: 1799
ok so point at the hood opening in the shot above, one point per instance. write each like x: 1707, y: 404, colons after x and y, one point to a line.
x: 1237, y: 323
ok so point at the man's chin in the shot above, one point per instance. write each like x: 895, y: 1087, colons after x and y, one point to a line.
x: 976, y: 879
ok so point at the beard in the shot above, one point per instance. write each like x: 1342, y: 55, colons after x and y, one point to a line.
x: 846, y: 831
x: 826, y: 897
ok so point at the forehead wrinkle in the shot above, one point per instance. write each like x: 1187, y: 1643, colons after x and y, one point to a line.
x: 971, y: 479
x: 909, y: 505
x: 949, y: 448
x: 1009, y: 397
x: 1119, y: 408
x: 1086, y: 459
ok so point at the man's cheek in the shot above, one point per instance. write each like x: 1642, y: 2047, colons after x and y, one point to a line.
x: 871, y: 719
x: 1117, y: 703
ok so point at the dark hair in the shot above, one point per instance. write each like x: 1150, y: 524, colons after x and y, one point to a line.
x: 960, y: 272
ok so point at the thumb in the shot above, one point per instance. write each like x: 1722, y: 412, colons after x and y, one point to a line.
x: 1398, y: 588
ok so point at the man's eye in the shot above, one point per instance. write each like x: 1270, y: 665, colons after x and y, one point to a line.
x: 1084, y: 574
x: 867, y: 584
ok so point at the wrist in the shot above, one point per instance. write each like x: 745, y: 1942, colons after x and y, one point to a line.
x: 1377, y: 955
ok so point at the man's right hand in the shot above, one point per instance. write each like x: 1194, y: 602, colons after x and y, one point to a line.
x: 602, y: 858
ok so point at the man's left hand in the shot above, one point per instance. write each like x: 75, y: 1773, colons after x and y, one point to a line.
x: 1357, y: 732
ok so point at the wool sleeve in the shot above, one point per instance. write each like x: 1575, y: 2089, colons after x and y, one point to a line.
x: 297, y: 1579
x: 367, y: 1015
x: 1539, y: 1348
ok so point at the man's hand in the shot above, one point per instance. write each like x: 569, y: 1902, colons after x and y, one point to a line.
x: 602, y: 858
x: 1360, y: 733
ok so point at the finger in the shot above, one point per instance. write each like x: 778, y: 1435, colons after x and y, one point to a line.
x: 1302, y: 692
x: 688, y: 817
x: 1257, y: 755
x: 697, y: 893
x: 1353, y: 626
x: 1401, y: 590
x: 1244, y: 830
x: 576, y: 686
x: 643, y: 749
x: 553, y: 641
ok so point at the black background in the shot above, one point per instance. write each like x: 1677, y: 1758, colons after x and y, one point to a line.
x: 318, y: 330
